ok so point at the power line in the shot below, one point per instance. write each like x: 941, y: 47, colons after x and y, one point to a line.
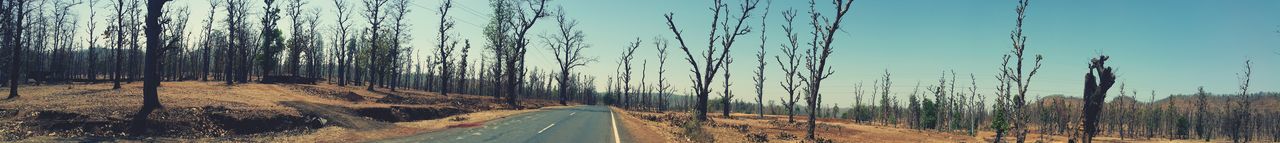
x: 455, y: 19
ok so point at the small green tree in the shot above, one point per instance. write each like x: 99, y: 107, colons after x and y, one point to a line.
x: 928, y: 115
x: 272, y: 44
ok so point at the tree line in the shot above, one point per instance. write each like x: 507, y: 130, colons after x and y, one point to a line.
x: 41, y: 49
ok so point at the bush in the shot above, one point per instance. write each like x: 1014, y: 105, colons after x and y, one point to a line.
x: 693, y: 131
x: 757, y: 137
x: 786, y: 136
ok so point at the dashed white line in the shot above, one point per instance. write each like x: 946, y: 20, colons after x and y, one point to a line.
x: 616, y: 139
x: 571, y: 114
x: 545, y: 129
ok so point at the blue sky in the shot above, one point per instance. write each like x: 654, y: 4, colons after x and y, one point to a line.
x: 1169, y: 46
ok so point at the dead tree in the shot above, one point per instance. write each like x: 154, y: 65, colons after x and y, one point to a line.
x: 207, y: 42
x: 375, y: 17
x: 727, y: 96
x: 313, y: 45
x: 976, y: 107
x: 789, y: 68
x: 119, y: 31
x: 134, y: 26
x: 567, y: 46
x: 1202, y: 110
x: 444, y: 49
x: 150, y: 97
x: 627, y: 55
x: 817, y: 54
x: 1021, y: 81
x: 296, y: 43
x: 345, y: 49
x: 1098, y: 80
x: 704, y: 73
x: 463, y: 78
x: 394, y: 62
x: 14, y: 13
x: 174, y: 40
x: 644, y: 88
x: 1239, y: 127
x: 236, y: 59
x: 661, y: 45
x: 93, y: 42
x: 760, y: 58
x: 521, y: 19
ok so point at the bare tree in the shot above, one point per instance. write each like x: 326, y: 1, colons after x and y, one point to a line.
x: 236, y: 61
x: 816, y: 56
x: 375, y: 17
x: 625, y: 79
x: 444, y: 48
x: 1201, y: 113
x: 394, y: 62
x: 1016, y: 75
x: 173, y: 40
x: 513, y: 24
x: 1095, y: 91
x: 760, y: 58
x: 727, y: 96
x: 313, y: 46
x: 712, y: 62
x: 567, y: 47
x: 463, y: 73
x: 14, y: 13
x: 93, y: 41
x: 1240, y: 129
x: 207, y: 42
x: 134, y: 26
x: 150, y: 97
x: 661, y: 45
x: 977, y: 110
x: 345, y: 50
x: 789, y: 69
x: 119, y: 31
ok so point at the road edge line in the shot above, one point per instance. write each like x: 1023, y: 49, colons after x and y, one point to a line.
x: 545, y: 129
x: 614, y: 120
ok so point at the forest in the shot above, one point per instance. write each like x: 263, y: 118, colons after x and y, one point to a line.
x: 361, y: 71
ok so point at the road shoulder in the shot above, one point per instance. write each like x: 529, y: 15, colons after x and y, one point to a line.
x: 636, y: 130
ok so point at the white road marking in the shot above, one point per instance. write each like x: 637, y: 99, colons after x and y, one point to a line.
x: 571, y: 114
x: 616, y: 139
x: 545, y: 129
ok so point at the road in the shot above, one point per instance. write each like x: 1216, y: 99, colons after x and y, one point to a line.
x: 594, y: 124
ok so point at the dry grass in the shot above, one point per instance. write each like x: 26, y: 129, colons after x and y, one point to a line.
x: 641, y: 130
x: 737, y: 129
x: 211, y: 111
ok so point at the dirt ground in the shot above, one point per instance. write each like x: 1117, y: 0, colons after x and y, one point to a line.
x: 772, y: 128
x: 776, y: 128
x: 211, y: 111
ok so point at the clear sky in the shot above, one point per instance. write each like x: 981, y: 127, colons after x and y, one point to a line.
x: 1169, y: 46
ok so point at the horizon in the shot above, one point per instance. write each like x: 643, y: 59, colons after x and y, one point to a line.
x: 1170, y: 47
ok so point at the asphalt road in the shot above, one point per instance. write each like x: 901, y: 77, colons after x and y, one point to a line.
x: 586, y: 124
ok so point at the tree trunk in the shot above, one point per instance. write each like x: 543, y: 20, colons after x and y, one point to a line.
x: 150, y: 99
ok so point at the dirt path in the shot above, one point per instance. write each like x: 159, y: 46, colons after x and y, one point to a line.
x: 334, y: 115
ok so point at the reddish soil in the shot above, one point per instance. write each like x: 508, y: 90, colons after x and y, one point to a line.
x: 212, y: 111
